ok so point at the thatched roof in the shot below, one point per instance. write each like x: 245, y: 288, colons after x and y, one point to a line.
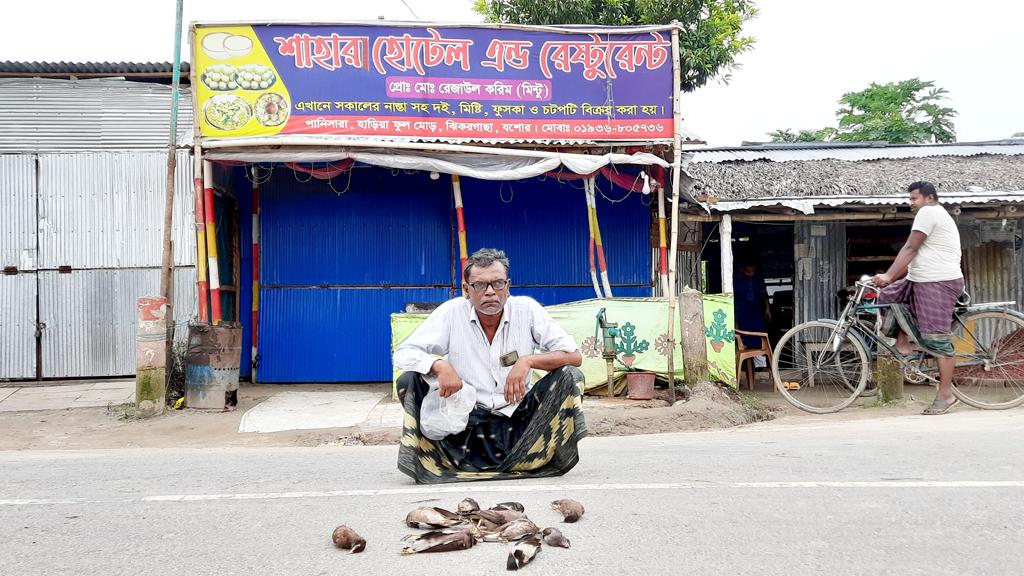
x: 748, y: 180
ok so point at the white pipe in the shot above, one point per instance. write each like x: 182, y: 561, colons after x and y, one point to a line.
x: 677, y: 121
x: 725, y: 240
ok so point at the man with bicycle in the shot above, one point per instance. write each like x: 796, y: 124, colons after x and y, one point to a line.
x: 926, y: 279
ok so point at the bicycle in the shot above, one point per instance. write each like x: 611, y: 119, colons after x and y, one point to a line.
x: 823, y: 366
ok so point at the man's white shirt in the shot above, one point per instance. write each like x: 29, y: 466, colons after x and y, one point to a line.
x: 454, y: 330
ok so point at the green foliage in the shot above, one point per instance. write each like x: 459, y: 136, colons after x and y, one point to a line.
x: 907, y: 112
x: 709, y: 42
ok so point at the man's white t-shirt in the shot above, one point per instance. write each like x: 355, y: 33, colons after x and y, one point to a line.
x: 938, y: 259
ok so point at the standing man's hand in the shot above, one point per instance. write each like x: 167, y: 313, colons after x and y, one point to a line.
x: 447, y: 378
x: 515, y: 384
x: 881, y: 280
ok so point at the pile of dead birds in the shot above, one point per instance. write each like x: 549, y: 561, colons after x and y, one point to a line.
x: 447, y: 531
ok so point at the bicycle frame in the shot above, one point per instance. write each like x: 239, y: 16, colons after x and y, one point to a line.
x: 849, y: 320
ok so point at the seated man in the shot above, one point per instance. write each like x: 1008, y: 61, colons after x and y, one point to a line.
x: 490, y: 340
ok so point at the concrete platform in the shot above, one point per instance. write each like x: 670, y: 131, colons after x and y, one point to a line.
x: 62, y: 397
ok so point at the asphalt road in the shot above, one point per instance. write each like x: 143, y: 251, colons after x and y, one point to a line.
x: 905, y: 495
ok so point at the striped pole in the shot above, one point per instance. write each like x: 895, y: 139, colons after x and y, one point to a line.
x: 211, y: 242
x: 601, y: 262
x: 590, y: 242
x: 463, y: 251
x: 201, y: 284
x: 662, y: 244
x: 255, y: 268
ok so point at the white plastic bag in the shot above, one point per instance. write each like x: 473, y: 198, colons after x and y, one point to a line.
x: 440, y: 417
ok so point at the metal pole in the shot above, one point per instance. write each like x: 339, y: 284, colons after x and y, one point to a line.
x: 662, y: 247
x: 202, y: 286
x: 255, y: 271
x: 460, y: 217
x: 211, y: 242
x: 168, y: 250
x: 674, y: 245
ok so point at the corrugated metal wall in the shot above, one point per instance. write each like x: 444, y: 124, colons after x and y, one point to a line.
x: 106, y: 209
x: 334, y: 266
x: 18, y: 326
x: 542, y: 226
x: 991, y: 260
x: 18, y: 202
x: 819, y: 253
x: 90, y: 318
x: 332, y: 334
x: 97, y: 114
x: 100, y: 213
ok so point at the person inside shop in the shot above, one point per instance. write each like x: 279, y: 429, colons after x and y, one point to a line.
x: 491, y: 341
x: 753, y: 309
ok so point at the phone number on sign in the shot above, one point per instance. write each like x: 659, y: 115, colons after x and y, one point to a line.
x: 618, y: 129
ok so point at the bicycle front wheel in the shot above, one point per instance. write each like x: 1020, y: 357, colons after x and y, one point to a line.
x: 817, y: 373
x: 990, y: 359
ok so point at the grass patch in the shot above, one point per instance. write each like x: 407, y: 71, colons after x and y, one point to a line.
x: 124, y: 412
x: 754, y: 408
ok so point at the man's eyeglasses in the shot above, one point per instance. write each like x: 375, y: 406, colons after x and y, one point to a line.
x: 496, y: 284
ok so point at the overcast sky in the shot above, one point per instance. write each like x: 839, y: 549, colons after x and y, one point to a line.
x: 808, y: 52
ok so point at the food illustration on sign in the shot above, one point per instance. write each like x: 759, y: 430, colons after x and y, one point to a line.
x: 221, y: 45
x: 227, y: 112
x: 254, y: 77
x: 220, y: 77
x: 271, y: 109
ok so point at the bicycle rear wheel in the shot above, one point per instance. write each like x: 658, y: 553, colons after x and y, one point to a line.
x: 990, y: 359
x: 815, y: 373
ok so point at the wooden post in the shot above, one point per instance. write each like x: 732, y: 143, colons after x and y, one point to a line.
x: 888, y: 378
x: 677, y: 158
x: 725, y: 239
x: 691, y: 330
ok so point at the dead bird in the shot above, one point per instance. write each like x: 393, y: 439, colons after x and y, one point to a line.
x: 515, y: 506
x: 571, y: 510
x: 438, y: 541
x: 521, y: 553
x: 554, y: 537
x: 468, y: 506
x: 514, y: 530
x: 432, y: 517
x: 346, y: 538
x: 492, y: 520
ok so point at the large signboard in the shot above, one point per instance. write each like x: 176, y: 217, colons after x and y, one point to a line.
x: 432, y: 82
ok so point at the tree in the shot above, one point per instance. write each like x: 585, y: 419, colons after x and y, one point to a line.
x: 822, y: 135
x: 709, y: 42
x: 907, y: 112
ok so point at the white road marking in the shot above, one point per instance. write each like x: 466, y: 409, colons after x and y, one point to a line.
x: 530, y: 487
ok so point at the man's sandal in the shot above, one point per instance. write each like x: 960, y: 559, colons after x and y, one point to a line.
x: 940, y: 407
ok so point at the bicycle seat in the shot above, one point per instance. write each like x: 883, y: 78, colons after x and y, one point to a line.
x: 963, y: 301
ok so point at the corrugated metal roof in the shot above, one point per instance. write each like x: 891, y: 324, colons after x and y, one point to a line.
x: 39, y: 114
x: 853, y: 152
x: 92, y: 68
x: 105, y: 209
x: 807, y: 204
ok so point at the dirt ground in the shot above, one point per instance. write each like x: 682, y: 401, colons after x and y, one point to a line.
x: 709, y: 407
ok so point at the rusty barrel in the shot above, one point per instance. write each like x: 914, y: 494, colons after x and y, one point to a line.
x: 211, y: 364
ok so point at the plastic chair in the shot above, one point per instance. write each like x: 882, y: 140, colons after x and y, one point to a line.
x: 744, y: 354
